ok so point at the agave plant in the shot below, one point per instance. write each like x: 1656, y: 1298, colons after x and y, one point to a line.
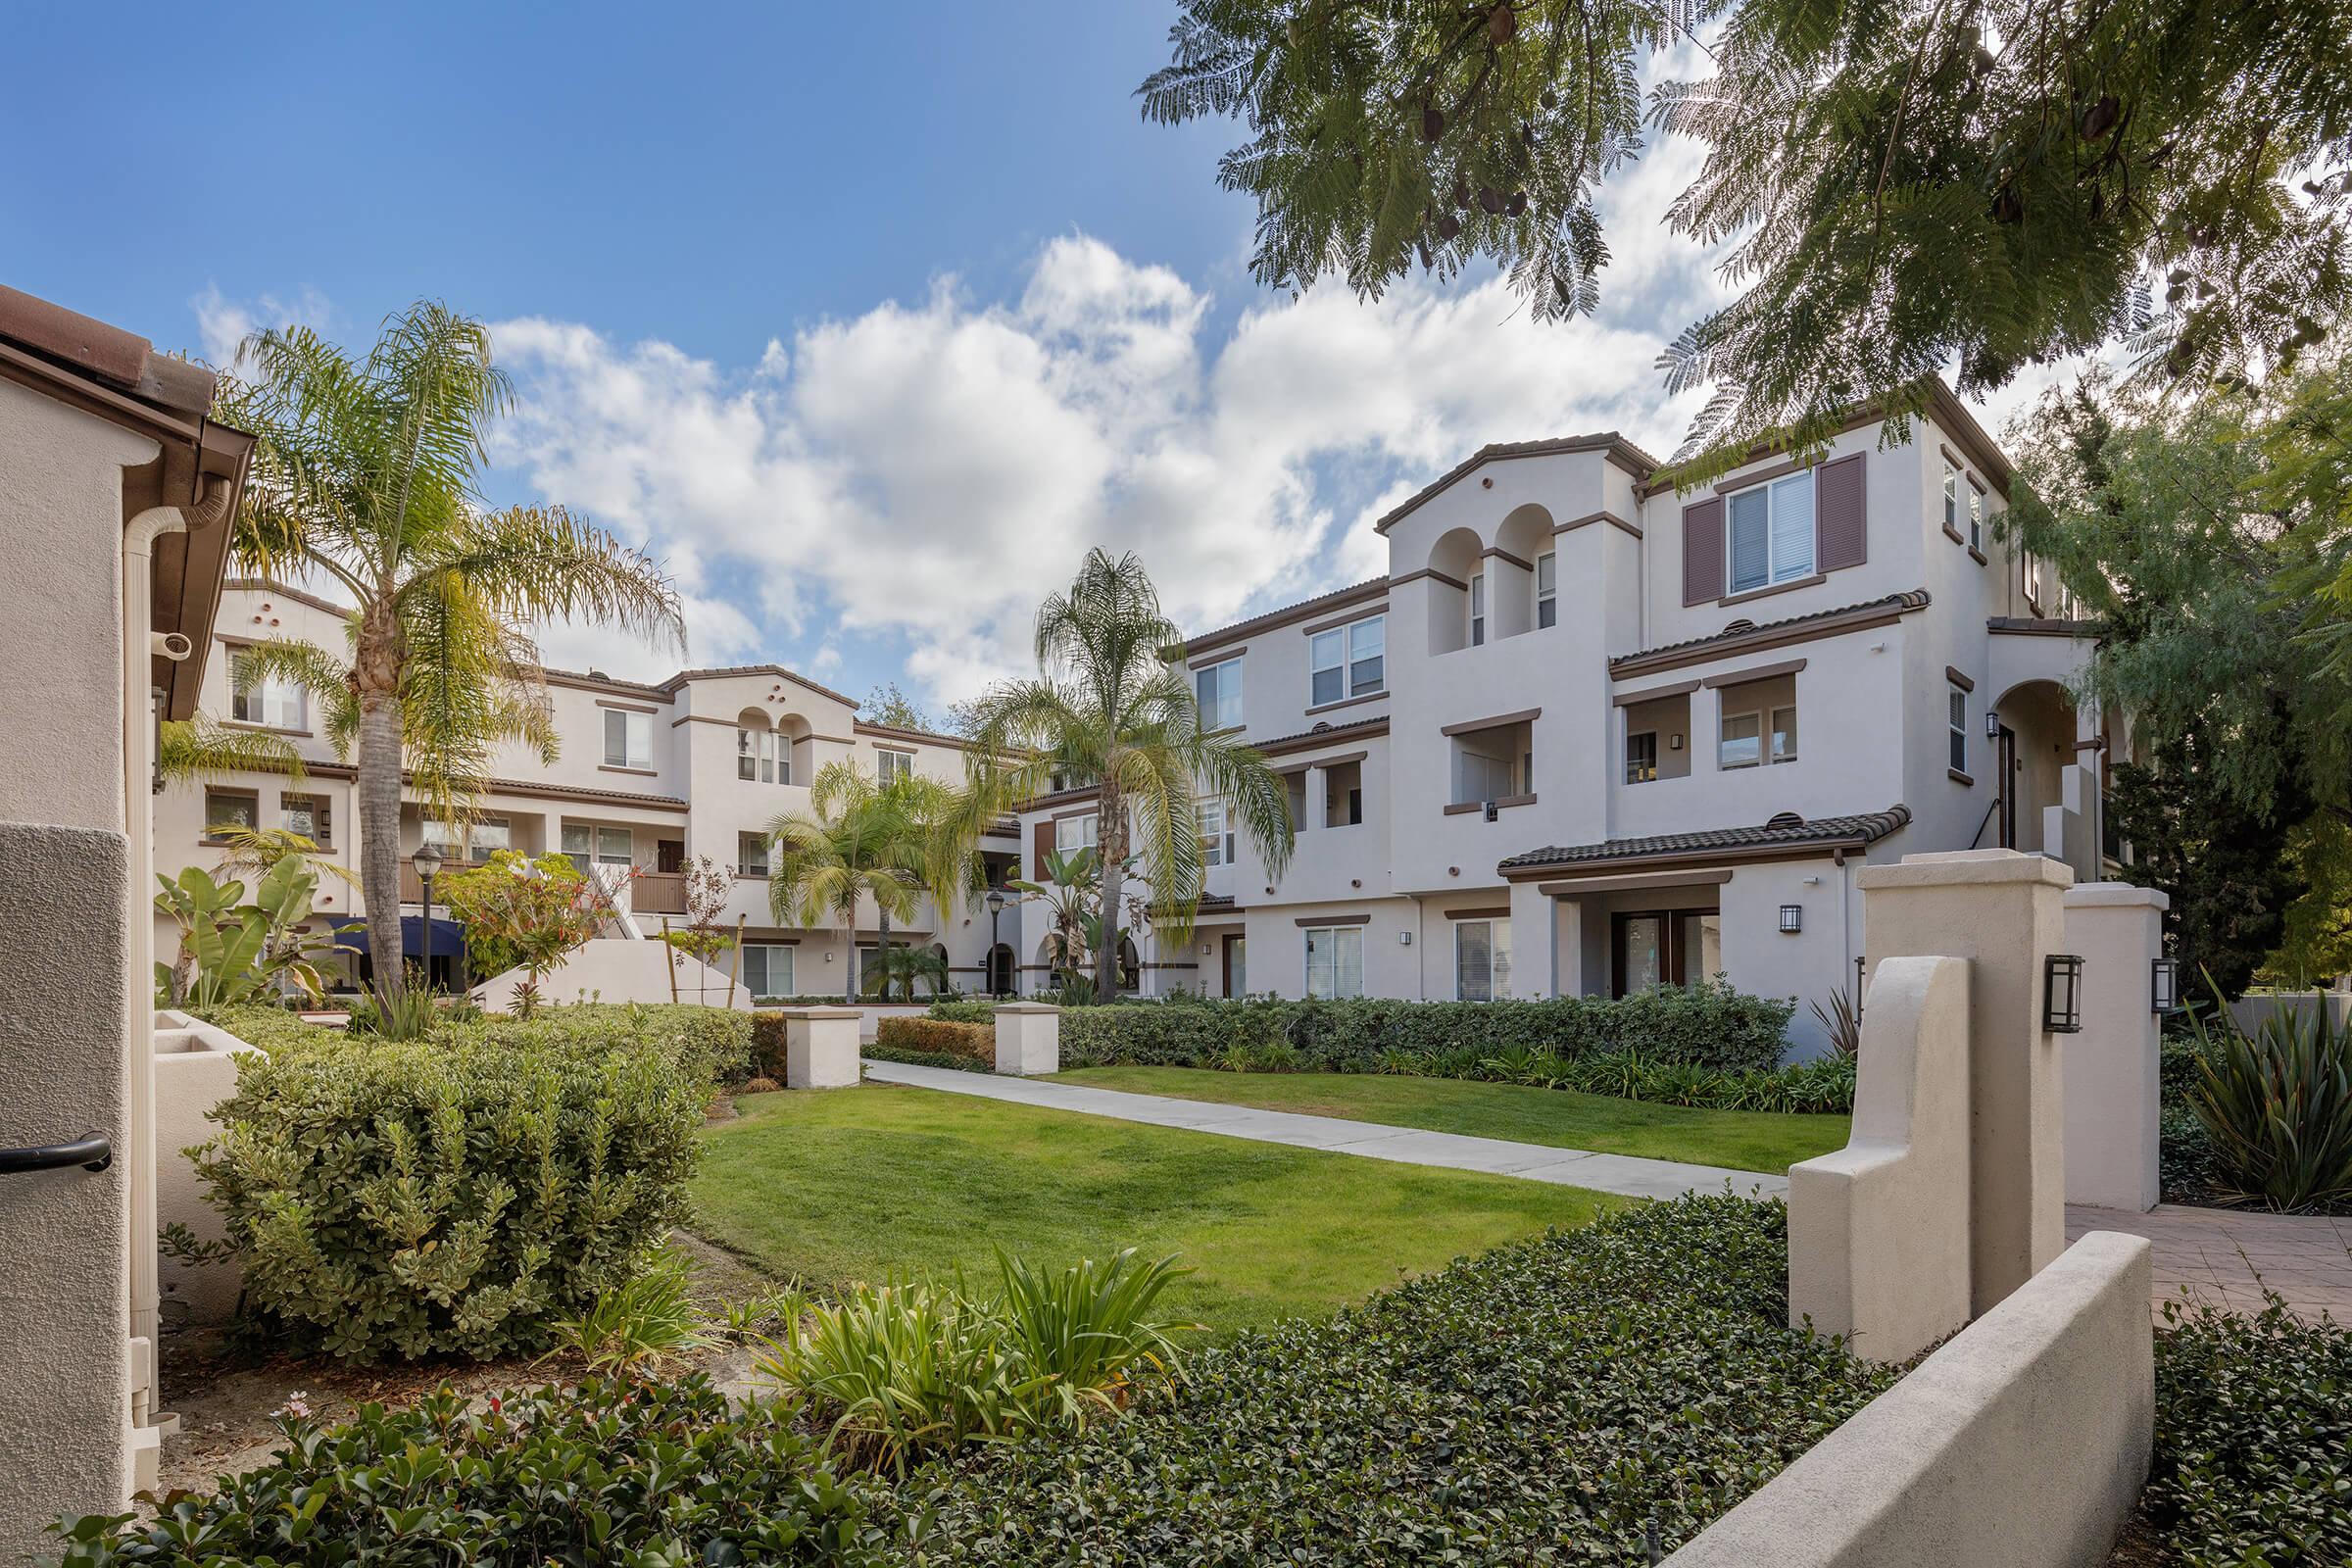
x: 2276, y: 1104
x: 1841, y: 1021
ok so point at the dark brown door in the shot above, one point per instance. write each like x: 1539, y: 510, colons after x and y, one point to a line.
x: 1237, y: 983
x: 668, y: 855
x: 2005, y: 780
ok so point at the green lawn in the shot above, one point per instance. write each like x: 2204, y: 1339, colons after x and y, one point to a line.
x: 858, y: 1184
x: 1739, y: 1139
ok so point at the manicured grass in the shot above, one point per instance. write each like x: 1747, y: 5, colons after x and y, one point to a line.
x: 865, y: 1182
x: 1738, y: 1139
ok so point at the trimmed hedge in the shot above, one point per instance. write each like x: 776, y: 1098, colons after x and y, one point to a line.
x: 457, y: 1195
x: 713, y: 1042
x: 1822, y: 1086
x: 613, y: 1472
x: 1705, y: 1026
x: 1541, y: 1403
x: 2253, y: 1458
x: 938, y: 1037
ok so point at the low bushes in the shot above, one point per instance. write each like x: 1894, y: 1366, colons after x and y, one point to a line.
x: 456, y: 1195
x: 715, y: 1042
x: 2253, y: 1458
x: 2276, y: 1103
x: 618, y: 1472
x: 1541, y: 1404
x: 1705, y: 1025
x: 939, y: 1037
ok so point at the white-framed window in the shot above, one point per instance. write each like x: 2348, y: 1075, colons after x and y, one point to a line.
x: 1482, y: 960
x: 588, y: 844
x: 762, y: 755
x: 1334, y: 961
x: 1075, y: 833
x: 1218, y: 687
x: 276, y: 703
x: 1741, y: 742
x: 615, y: 845
x: 1641, y: 756
x: 230, y: 809
x: 891, y: 764
x: 1478, y: 609
x: 628, y: 738
x: 768, y: 970
x: 1951, y: 499
x: 481, y: 837
x: 1956, y: 717
x: 1548, y: 589
x: 1217, y: 834
x: 751, y: 855
x: 310, y: 815
x: 579, y: 845
x: 1770, y: 532
x: 1976, y: 519
x: 1348, y: 660
x: 1784, y: 734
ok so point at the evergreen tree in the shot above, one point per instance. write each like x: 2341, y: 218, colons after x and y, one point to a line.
x: 1911, y: 184
x: 887, y: 705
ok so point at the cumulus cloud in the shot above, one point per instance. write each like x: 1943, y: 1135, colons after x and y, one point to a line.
x: 222, y: 323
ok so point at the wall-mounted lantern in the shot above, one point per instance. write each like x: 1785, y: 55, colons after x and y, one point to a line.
x: 1674, y: 742
x: 1992, y: 725
x: 2062, y: 993
x: 2164, y: 987
x: 1793, y: 920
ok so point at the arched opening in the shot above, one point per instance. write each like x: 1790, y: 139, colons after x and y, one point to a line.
x: 1131, y: 966
x: 1000, y: 969
x: 792, y: 749
x: 1522, y: 575
x: 1454, y: 603
x: 939, y: 986
x: 761, y: 755
x: 2045, y: 801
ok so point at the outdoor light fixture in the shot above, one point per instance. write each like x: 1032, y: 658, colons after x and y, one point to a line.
x: 427, y: 861
x: 2062, y: 993
x: 1992, y: 725
x: 996, y: 901
x: 2164, y: 987
x: 1793, y: 920
x: 1674, y: 742
x: 1491, y: 811
x: 995, y: 907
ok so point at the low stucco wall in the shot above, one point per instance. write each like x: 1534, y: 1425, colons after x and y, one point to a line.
x: 618, y: 970
x: 2024, y: 1441
x: 2250, y: 1010
x: 195, y: 1070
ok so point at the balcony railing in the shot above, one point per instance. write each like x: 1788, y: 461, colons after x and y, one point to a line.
x: 659, y: 893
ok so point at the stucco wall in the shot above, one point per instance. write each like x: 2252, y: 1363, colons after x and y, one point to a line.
x: 2022, y: 1443
x: 195, y: 1070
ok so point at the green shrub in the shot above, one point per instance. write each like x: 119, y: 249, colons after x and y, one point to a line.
x: 2277, y: 1106
x: 715, y: 1042
x: 1705, y: 1025
x: 938, y: 1037
x: 928, y: 1058
x: 610, y: 1472
x: 1540, y: 1403
x: 964, y: 1011
x: 903, y: 1370
x: 646, y: 1322
x: 2253, y: 1461
x: 455, y: 1196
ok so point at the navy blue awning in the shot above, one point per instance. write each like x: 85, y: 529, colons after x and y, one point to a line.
x: 448, y: 938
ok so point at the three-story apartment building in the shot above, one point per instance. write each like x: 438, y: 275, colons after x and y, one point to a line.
x: 1589, y: 734
x: 649, y: 779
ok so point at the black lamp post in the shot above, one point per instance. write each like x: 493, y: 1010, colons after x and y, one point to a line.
x: 995, y: 907
x: 427, y: 861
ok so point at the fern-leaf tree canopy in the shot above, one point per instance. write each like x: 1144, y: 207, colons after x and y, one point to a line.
x: 1902, y: 186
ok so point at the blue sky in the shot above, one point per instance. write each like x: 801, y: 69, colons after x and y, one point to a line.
x: 867, y: 321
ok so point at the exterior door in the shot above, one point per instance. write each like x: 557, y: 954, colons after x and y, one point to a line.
x: 1652, y: 947
x: 1237, y: 980
x: 2006, y: 781
x: 669, y: 854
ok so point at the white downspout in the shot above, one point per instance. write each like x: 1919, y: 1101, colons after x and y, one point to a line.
x: 138, y: 825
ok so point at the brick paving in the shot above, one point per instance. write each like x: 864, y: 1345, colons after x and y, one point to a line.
x: 2226, y: 1257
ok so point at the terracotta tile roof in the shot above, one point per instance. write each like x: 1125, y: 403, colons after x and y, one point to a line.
x: 1620, y: 450
x: 1788, y: 831
x: 123, y: 361
x: 1740, y: 633
x: 1302, y: 610
x: 1321, y: 733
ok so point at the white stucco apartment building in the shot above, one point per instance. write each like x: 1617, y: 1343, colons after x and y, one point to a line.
x: 1589, y: 734
x: 1586, y: 735
x: 650, y: 777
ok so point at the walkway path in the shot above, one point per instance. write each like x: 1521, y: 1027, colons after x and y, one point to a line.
x: 1536, y: 1162
x: 2226, y: 1256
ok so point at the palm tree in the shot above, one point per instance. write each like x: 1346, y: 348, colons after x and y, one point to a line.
x: 202, y: 747
x: 365, y: 474
x: 1109, y: 707
x: 891, y: 841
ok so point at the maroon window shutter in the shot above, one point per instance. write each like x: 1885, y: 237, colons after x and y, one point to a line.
x: 1042, y: 841
x: 1703, y: 551
x: 1840, y: 525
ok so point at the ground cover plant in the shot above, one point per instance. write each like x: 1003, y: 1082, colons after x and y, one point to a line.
x: 1737, y: 1140
x: 882, y: 1183
x: 1543, y: 1404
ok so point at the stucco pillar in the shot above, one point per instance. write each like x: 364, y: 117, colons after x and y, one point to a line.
x: 1028, y: 1038
x: 2111, y: 1067
x: 820, y: 1046
x: 1319, y: 799
x: 1535, y: 942
x: 2005, y: 913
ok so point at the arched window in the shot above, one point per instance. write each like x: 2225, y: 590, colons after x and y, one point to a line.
x: 761, y: 755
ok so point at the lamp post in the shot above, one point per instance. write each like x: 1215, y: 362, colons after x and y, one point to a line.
x: 427, y: 861
x: 995, y: 908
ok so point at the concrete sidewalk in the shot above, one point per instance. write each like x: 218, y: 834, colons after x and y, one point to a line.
x: 1494, y: 1156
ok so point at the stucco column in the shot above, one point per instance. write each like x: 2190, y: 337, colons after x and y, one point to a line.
x: 1535, y: 942
x: 820, y: 1046
x: 2111, y: 1067
x: 1318, y: 786
x: 2005, y: 913
x: 1028, y: 1038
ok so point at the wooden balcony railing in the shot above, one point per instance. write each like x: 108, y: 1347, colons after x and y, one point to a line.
x: 659, y: 893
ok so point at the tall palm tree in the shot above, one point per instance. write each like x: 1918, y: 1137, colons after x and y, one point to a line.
x: 200, y: 746
x: 1108, y: 706
x: 892, y: 841
x: 365, y: 473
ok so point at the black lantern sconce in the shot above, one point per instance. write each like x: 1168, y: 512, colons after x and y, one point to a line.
x: 2164, y: 987
x: 1793, y: 920
x: 2062, y: 993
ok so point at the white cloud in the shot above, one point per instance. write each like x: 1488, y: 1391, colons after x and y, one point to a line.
x: 223, y: 323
